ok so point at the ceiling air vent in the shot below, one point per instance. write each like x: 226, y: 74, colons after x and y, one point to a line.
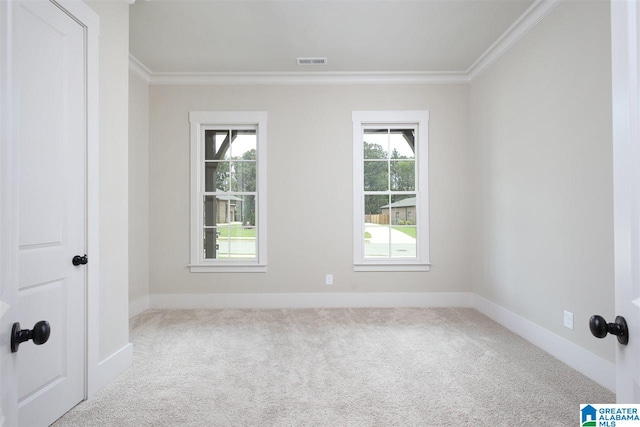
x: 312, y: 61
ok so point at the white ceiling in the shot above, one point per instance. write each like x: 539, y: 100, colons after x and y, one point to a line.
x: 216, y: 36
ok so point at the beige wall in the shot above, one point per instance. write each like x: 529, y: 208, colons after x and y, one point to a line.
x: 541, y: 132
x: 138, y: 188
x: 309, y: 187
x: 114, y: 93
x: 520, y: 181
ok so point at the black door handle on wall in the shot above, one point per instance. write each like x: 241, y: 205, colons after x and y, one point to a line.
x: 600, y: 328
x: 39, y: 334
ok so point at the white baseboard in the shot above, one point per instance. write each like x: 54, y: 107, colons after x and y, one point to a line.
x: 590, y: 365
x: 112, y: 367
x: 139, y: 305
x: 312, y: 300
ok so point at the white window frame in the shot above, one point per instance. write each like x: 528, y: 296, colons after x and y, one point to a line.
x: 392, y: 118
x: 199, y: 122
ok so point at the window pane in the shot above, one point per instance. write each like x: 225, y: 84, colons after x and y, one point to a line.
x: 240, y: 242
x: 210, y: 176
x: 236, y: 230
x: 211, y: 244
x: 403, y: 175
x: 210, y: 209
x: 403, y: 241
x: 223, y: 243
x: 376, y: 209
x: 243, y: 248
x: 403, y: 210
x: 243, y: 144
x: 376, y: 241
x: 244, y: 176
x: 246, y: 211
x: 232, y: 209
x: 227, y: 204
x: 230, y: 242
x: 376, y: 144
x: 216, y: 144
x: 217, y: 176
x: 223, y: 144
x: 402, y: 144
x: 229, y: 209
x: 376, y: 176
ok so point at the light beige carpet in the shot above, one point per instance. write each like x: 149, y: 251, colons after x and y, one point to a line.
x: 335, y: 367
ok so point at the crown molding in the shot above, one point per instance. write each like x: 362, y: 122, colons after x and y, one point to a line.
x: 302, y: 78
x: 525, y: 23
x: 288, y: 78
x: 139, y: 68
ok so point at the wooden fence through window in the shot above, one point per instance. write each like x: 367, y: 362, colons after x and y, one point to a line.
x: 377, y: 219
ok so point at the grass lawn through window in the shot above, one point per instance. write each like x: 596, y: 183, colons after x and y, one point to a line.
x: 226, y: 232
x: 409, y: 230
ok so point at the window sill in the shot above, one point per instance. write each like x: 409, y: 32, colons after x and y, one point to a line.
x: 228, y: 268
x: 391, y: 267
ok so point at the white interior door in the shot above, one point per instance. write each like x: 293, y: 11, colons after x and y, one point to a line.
x: 50, y: 107
x: 625, y: 42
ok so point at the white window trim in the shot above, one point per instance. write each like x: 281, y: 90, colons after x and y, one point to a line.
x: 199, y: 120
x: 383, y: 118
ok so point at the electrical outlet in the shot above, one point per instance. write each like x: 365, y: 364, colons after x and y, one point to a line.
x: 329, y: 279
x: 568, y: 319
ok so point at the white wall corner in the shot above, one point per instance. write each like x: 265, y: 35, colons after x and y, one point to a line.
x: 111, y: 368
x: 525, y: 23
x: 138, y: 306
x: 139, y: 68
x: 312, y: 300
x: 583, y: 361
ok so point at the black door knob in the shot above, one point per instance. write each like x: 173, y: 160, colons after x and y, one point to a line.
x: 39, y: 334
x: 77, y: 260
x: 600, y: 328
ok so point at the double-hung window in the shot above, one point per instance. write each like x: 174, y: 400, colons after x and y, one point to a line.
x: 391, y: 200
x: 228, y: 191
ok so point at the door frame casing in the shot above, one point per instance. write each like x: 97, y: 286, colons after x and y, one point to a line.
x: 89, y: 20
x: 8, y: 232
x: 626, y: 188
x: 91, y: 23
